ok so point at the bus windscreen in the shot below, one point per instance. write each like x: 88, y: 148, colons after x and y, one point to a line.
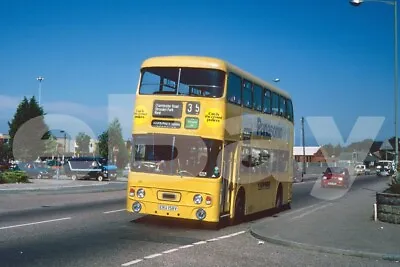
x: 176, y: 155
x: 182, y: 81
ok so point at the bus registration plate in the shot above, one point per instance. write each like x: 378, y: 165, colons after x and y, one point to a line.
x: 168, y: 207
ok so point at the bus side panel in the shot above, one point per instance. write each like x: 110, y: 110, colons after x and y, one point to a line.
x: 232, y: 132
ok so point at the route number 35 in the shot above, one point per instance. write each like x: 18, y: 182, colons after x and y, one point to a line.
x: 193, y: 108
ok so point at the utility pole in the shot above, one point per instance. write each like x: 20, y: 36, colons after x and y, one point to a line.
x: 304, y: 145
x: 40, y: 79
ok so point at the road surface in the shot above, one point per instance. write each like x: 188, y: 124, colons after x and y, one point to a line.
x: 103, y: 234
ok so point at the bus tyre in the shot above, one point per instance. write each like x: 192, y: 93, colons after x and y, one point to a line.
x: 279, y: 198
x: 239, y: 208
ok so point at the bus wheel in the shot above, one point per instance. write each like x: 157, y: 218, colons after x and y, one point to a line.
x: 239, y: 207
x: 279, y: 198
x: 73, y: 177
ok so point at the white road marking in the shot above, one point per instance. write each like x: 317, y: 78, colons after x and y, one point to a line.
x: 153, y: 256
x: 223, y: 237
x: 112, y: 211
x: 182, y: 247
x: 310, y: 211
x: 132, y: 262
x: 200, y: 243
x: 171, y: 250
x: 186, y: 246
x: 306, y: 182
x: 34, y: 223
x: 298, y: 210
x: 238, y: 233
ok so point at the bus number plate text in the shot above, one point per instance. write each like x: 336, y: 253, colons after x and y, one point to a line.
x: 168, y: 207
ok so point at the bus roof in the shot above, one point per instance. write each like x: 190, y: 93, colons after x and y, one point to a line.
x: 208, y: 62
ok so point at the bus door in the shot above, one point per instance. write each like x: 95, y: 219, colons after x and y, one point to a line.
x: 227, y: 176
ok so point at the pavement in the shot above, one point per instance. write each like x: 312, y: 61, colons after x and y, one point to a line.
x: 95, y: 230
x: 342, y: 225
x: 64, y: 185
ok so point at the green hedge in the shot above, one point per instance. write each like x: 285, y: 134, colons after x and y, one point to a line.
x: 9, y: 177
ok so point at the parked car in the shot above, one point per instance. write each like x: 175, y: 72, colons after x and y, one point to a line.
x: 361, y: 169
x: 335, y: 176
x: 34, y: 170
x: 384, y: 171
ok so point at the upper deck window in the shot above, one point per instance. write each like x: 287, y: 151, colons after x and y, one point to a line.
x: 275, y: 103
x: 282, y: 106
x: 258, y: 97
x: 289, y: 108
x: 267, y: 101
x: 247, y: 94
x: 182, y: 81
x: 234, y: 94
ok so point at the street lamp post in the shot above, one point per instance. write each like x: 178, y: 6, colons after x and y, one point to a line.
x: 394, y: 4
x: 304, y: 145
x: 40, y: 79
x: 65, y: 141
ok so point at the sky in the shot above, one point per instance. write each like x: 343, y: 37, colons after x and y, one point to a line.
x: 335, y: 60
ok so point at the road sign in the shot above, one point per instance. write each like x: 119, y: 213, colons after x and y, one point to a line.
x: 386, y: 146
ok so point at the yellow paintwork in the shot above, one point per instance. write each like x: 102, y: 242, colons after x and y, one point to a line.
x: 221, y: 111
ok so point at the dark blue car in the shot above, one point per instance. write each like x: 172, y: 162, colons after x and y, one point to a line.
x: 34, y: 170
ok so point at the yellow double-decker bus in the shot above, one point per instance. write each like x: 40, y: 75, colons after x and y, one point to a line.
x: 209, y: 141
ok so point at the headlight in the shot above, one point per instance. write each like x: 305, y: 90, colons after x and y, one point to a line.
x: 197, y: 199
x: 340, y: 179
x: 141, y: 193
x: 201, y: 214
x: 136, y: 207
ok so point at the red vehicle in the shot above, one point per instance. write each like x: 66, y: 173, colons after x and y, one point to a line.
x: 335, y: 176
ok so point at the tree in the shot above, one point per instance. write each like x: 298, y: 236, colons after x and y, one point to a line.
x: 28, y: 131
x: 5, y: 152
x: 102, y: 146
x: 83, y: 142
x: 110, y: 139
x: 337, y: 150
x: 51, y: 145
x: 328, y: 149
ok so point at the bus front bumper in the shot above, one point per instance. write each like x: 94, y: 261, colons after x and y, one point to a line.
x: 198, y: 213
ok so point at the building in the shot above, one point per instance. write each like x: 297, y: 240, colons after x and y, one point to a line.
x: 71, y: 147
x: 312, y: 154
